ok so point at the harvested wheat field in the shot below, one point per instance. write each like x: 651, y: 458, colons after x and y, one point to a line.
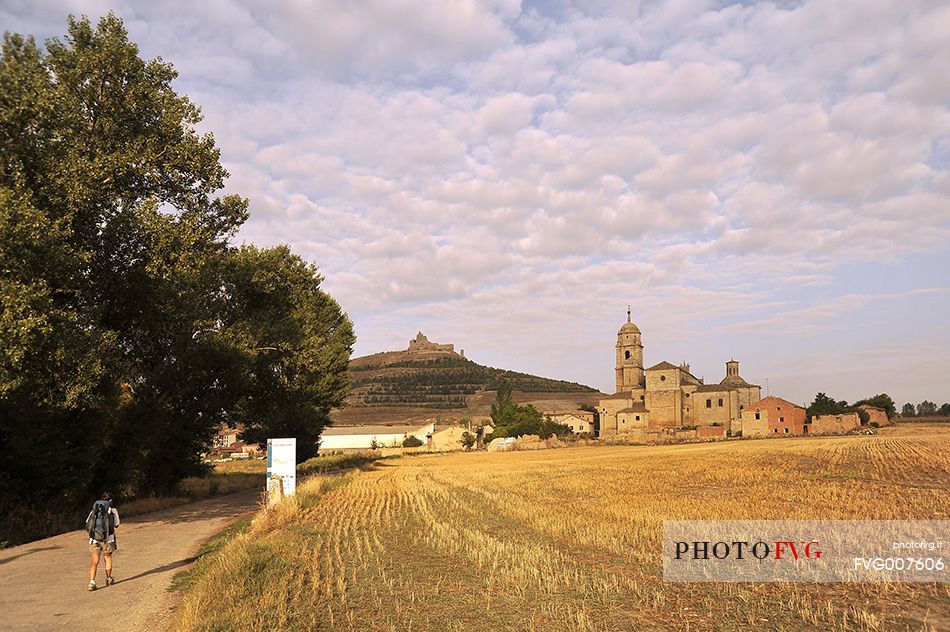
x: 569, y: 539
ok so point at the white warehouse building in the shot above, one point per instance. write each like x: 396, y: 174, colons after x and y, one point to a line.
x: 366, y: 437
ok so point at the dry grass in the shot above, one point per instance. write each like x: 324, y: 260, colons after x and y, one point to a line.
x: 228, y: 477
x: 570, y: 540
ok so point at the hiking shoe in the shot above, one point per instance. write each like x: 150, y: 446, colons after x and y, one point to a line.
x: 92, y: 585
x: 110, y: 581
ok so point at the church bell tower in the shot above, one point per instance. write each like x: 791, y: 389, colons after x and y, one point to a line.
x: 629, y: 357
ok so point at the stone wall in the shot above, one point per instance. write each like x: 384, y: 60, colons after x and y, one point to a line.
x: 720, y: 410
x: 752, y: 427
x: 711, y: 432
x: 876, y: 415
x: 834, y: 424
x: 665, y: 406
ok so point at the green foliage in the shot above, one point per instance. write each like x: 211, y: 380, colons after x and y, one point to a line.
x: 130, y: 328
x: 503, y: 406
x: 295, y: 345
x: 550, y: 428
x: 862, y: 415
x: 944, y: 410
x: 513, y: 420
x: 908, y: 410
x: 335, y: 463
x: 926, y: 408
x: 411, y: 441
x: 824, y: 405
x: 468, y: 440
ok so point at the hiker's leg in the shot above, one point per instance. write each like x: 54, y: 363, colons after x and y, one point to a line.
x: 108, y: 565
x: 94, y: 565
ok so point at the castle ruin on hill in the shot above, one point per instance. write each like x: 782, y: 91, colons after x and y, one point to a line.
x: 421, y: 344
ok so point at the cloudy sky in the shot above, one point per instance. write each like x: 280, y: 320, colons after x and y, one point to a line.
x: 769, y: 181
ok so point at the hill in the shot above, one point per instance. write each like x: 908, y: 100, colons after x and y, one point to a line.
x: 429, y: 380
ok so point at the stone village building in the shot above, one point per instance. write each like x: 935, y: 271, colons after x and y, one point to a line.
x: 669, y: 396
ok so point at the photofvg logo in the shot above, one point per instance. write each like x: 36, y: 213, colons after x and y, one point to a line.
x: 806, y: 550
x: 742, y: 549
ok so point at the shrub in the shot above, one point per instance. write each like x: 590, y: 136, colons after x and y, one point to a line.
x: 411, y: 441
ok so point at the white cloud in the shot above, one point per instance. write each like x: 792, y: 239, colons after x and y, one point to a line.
x: 512, y: 174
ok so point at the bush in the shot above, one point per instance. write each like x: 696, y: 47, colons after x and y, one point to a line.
x: 411, y: 441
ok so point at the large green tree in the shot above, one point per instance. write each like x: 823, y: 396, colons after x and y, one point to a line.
x: 296, y: 343
x: 93, y: 142
x: 130, y: 327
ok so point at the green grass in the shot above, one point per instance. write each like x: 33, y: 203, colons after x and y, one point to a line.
x: 336, y: 462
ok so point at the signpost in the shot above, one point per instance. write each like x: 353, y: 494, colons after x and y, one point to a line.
x: 281, y: 468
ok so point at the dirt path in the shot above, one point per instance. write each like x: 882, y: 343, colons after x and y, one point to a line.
x: 43, y: 584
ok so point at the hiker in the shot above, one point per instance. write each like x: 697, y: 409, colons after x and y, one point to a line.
x: 101, y: 523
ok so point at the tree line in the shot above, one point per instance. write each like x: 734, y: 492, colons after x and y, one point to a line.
x: 925, y: 408
x: 825, y: 405
x: 132, y: 327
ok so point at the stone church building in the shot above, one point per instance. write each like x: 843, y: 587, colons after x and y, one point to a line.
x: 669, y: 396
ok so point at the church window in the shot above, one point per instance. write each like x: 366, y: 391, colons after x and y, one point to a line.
x: 641, y: 398
x: 626, y: 354
x: 662, y: 378
x: 720, y: 402
x: 781, y: 420
x: 786, y: 431
x: 757, y: 416
x: 638, y: 417
x: 708, y: 403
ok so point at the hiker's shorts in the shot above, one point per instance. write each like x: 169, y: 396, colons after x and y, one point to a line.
x: 106, y: 547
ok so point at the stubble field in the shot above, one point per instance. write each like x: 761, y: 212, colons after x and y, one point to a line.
x: 570, y: 539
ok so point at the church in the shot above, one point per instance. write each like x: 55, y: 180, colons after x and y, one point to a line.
x: 669, y: 396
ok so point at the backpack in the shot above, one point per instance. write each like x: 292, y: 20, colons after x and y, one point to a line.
x: 101, y: 522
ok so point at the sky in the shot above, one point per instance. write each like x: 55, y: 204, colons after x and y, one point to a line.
x: 765, y: 181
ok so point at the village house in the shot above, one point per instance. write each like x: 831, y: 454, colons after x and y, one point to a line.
x: 225, y: 438
x: 579, y: 421
x: 772, y: 416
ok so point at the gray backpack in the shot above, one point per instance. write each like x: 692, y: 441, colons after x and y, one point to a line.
x: 101, y: 522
